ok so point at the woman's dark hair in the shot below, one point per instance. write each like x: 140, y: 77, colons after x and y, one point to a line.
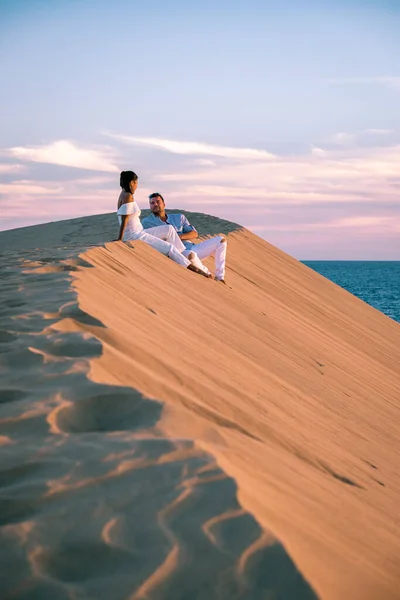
x: 125, y: 178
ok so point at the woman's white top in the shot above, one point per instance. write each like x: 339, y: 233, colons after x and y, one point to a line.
x: 134, y: 226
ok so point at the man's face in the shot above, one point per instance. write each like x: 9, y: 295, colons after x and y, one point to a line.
x: 156, y: 205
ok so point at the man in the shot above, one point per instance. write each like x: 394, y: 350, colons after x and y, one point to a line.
x: 213, y: 246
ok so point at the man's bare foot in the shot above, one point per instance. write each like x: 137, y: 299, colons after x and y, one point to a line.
x: 221, y: 280
x: 197, y: 270
x: 192, y: 258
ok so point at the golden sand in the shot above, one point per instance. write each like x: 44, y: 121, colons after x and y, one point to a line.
x: 280, y: 382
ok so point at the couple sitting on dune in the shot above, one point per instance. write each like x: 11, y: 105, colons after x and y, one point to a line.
x: 171, y: 234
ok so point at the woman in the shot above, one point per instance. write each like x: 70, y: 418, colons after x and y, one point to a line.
x: 163, y: 238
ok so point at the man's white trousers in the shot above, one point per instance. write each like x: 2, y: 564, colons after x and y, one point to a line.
x: 212, y: 247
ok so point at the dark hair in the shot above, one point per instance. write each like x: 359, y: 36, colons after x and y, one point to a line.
x: 155, y: 195
x: 125, y: 178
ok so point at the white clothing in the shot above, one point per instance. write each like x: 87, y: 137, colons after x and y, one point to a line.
x: 134, y: 231
x: 213, y: 246
x: 134, y: 225
x: 181, y: 225
x: 169, y: 234
x: 194, y: 259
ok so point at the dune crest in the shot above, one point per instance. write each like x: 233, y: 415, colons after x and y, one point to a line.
x: 165, y: 436
x: 291, y: 383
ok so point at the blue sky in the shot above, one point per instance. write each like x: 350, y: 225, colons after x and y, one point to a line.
x: 282, y: 116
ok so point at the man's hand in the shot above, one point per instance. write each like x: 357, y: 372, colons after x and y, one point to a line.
x: 190, y: 235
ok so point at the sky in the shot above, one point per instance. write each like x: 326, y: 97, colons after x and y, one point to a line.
x: 280, y: 115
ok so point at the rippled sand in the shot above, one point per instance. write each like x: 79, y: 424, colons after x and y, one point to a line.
x: 164, y: 436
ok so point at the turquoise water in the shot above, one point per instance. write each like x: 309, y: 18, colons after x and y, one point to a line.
x: 375, y: 282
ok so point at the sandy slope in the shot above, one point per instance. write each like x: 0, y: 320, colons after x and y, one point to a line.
x: 290, y: 383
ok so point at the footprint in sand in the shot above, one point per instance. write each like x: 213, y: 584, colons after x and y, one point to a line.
x: 112, y: 410
x: 6, y: 337
x: 71, y: 310
x: 69, y: 345
x: 12, y: 395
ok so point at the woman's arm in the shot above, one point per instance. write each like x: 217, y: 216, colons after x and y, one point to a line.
x: 124, y: 198
x: 124, y: 220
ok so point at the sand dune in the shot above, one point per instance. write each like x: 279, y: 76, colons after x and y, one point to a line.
x: 165, y: 436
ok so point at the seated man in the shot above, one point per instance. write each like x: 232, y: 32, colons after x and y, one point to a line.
x: 213, y: 246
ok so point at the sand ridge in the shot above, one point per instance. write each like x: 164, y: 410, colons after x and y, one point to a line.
x: 98, y: 499
x: 165, y: 436
x: 289, y: 381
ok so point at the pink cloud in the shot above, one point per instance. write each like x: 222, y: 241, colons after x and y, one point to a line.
x: 68, y: 154
x: 28, y: 199
x: 324, y: 199
x: 11, y: 168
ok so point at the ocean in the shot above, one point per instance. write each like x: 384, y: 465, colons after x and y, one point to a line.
x: 375, y: 282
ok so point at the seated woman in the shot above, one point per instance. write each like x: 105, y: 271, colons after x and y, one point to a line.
x: 163, y: 238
